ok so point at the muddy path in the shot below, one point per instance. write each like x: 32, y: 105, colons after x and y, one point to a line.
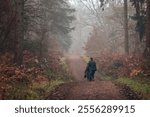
x: 81, y: 89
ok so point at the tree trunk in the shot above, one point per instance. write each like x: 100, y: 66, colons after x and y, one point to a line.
x: 41, y: 46
x: 126, y: 41
x: 147, y: 50
x: 18, y: 52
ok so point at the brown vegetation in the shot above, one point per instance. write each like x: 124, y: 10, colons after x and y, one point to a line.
x: 123, y: 65
x: 24, y: 76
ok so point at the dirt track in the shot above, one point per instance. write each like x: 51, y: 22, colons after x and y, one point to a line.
x: 80, y: 88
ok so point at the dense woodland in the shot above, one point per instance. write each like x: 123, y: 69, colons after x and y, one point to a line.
x: 35, y: 34
x: 120, y: 33
x: 27, y: 25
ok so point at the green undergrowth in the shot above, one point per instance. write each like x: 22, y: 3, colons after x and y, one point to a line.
x: 58, y: 78
x: 40, y: 90
x: 63, y: 63
x: 140, y: 85
x: 36, y: 91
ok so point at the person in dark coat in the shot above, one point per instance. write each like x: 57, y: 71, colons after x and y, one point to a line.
x: 90, y: 70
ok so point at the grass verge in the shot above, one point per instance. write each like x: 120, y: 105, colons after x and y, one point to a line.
x: 35, y: 91
x: 141, y: 87
x: 39, y: 90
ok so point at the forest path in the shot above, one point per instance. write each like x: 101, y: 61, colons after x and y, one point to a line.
x: 81, y: 89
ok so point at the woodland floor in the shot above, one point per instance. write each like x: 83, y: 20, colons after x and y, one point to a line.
x: 81, y: 89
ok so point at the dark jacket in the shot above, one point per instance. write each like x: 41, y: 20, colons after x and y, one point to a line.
x: 92, y: 65
x: 90, y: 70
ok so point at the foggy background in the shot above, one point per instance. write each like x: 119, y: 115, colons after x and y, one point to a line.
x: 82, y: 28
